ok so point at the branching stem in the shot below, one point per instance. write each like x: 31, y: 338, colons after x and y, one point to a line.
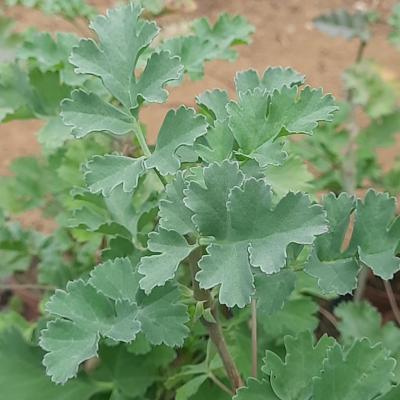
x: 220, y: 384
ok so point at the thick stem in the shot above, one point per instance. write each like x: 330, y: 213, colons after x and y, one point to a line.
x: 254, y: 346
x: 214, y: 328
x: 392, y: 300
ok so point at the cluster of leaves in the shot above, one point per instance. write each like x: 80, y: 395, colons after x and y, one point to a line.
x: 161, y: 249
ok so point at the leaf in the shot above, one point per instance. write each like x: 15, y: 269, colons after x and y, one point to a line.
x: 292, y: 175
x: 284, y: 112
x: 248, y: 231
x: 359, y: 320
x: 376, y: 234
x: 293, y: 378
x: 180, y: 127
x: 256, y: 390
x: 362, y: 373
x: 213, y: 103
x: 108, y: 305
x: 228, y: 31
x: 373, y: 242
x: 116, y: 280
x: 54, y: 134
x: 273, y: 291
x: 342, y: 23
x: 123, y: 36
x: 104, y: 173
x: 163, y: 316
x: 160, y: 268
x: 87, y: 113
x: 174, y: 215
x: 134, y: 374
x: 274, y: 78
x: 336, y: 272
x: 190, y: 388
x: 22, y: 375
x: 297, y: 315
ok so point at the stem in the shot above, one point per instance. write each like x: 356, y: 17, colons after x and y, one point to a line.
x: 214, y: 328
x: 140, y: 137
x: 329, y: 316
x: 254, y: 347
x: 392, y: 300
x: 220, y: 384
x: 361, y: 284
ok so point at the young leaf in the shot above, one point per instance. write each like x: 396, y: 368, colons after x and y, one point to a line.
x: 159, y: 268
x: 123, y: 36
x: 104, y: 173
x: 274, y: 78
x: 180, y: 127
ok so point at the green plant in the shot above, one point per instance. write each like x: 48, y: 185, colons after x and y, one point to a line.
x: 176, y: 265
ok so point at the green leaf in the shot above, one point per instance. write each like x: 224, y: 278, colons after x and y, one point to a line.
x: 104, y: 173
x: 160, y: 268
x: 163, y: 316
x: 273, y: 291
x: 269, y: 115
x: 54, y: 134
x: 213, y: 103
x: 23, y: 377
x: 227, y: 31
x: 297, y: 316
x: 342, y: 23
x: 376, y: 234
x: 256, y: 390
x: 373, y: 243
x: 190, y: 388
x: 359, y: 320
x: 87, y: 113
x: 274, y: 78
x: 116, y: 280
x: 123, y: 36
x: 293, y: 378
x: 174, y: 215
x: 362, y: 373
x: 248, y: 231
x: 336, y: 271
x: 180, y: 128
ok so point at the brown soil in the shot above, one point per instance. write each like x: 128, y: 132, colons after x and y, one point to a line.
x: 284, y: 36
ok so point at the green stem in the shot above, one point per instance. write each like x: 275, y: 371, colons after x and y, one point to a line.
x: 140, y: 137
x: 254, y: 346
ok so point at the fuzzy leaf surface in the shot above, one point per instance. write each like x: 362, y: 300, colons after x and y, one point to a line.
x: 248, y: 230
